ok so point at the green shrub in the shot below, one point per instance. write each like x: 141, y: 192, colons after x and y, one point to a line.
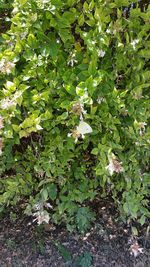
x: 74, y: 108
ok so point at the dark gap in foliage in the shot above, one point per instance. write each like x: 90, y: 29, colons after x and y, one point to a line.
x: 27, y: 141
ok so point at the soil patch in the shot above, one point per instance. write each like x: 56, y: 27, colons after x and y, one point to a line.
x: 108, y: 244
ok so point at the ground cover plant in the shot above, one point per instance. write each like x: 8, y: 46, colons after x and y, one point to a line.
x: 74, y: 109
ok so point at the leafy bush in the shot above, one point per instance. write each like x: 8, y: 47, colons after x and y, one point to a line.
x: 74, y: 108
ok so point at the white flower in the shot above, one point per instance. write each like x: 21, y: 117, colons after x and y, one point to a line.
x: 1, y: 146
x: 100, y: 100
x: 101, y: 53
x: 114, y: 166
x: 6, y: 103
x: 142, y: 128
x: 41, y: 216
x: 1, y: 123
x: 108, y: 31
x: 38, y: 206
x: 72, y: 60
x: 134, y: 42
x: 80, y: 131
x: 84, y: 128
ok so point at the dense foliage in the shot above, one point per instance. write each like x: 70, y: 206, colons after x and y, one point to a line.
x: 74, y: 108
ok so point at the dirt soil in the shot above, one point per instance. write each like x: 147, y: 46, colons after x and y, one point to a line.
x: 109, y: 243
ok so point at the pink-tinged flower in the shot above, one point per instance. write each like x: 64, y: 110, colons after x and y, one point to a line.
x: 142, y: 128
x: 1, y: 123
x: 114, y: 166
x: 1, y: 146
x: 135, y: 249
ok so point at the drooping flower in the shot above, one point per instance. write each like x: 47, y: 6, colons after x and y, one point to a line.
x: 41, y: 216
x: 72, y: 60
x: 142, y: 128
x: 1, y: 123
x: 1, y: 146
x: 78, y: 108
x: 114, y: 166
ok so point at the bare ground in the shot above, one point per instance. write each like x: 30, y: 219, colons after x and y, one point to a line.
x: 107, y: 244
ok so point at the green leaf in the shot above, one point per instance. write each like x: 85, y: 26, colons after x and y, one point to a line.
x: 32, y: 40
x: 52, y: 191
x: 134, y: 231
x: 142, y: 219
x: 95, y: 151
x: 22, y: 2
x: 44, y: 194
x: 83, y: 260
x: 64, y: 252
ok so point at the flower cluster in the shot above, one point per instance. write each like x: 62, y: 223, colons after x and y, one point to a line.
x: 6, y: 103
x: 78, y: 108
x: 41, y: 214
x: 114, y: 166
x: 6, y: 67
x: 72, y: 60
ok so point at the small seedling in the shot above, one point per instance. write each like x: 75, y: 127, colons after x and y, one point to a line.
x: 64, y: 252
x: 10, y: 243
x: 83, y: 260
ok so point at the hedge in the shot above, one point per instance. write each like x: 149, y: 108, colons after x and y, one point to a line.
x: 74, y: 109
